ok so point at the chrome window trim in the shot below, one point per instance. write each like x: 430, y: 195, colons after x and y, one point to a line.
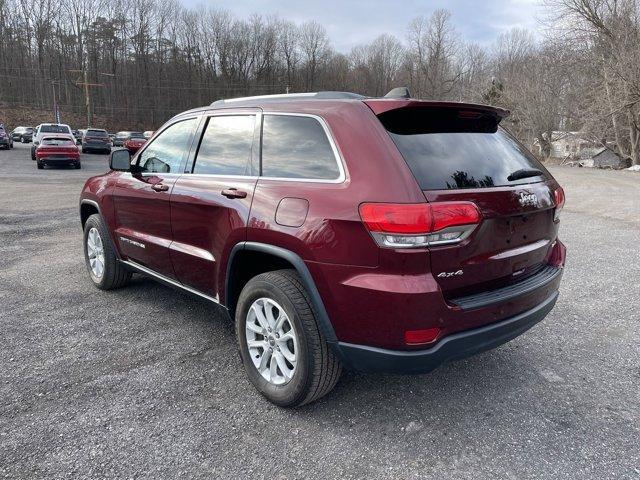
x: 336, y: 153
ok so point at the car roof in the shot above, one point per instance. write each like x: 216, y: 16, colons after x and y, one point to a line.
x: 317, y: 102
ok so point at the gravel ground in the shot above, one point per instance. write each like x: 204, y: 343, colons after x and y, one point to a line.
x: 146, y: 381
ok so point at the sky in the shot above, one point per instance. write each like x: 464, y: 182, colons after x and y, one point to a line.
x: 353, y: 22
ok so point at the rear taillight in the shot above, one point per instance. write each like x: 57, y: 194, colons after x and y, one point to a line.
x: 401, y: 225
x: 558, y: 254
x: 558, y: 196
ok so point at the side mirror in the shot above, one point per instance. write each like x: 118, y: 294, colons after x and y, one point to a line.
x: 120, y: 160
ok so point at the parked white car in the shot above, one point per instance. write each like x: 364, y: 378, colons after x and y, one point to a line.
x: 48, y: 129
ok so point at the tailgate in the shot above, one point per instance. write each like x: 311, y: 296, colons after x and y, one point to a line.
x: 512, y: 241
x: 457, y: 153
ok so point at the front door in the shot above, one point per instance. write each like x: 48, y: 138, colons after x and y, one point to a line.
x: 210, y: 207
x: 142, y: 199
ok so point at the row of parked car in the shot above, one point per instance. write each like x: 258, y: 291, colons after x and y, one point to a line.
x: 57, y: 143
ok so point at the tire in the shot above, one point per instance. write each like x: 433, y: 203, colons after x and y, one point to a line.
x: 114, y: 274
x: 316, y: 370
x: 33, y: 153
x: 84, y: 150
x: 77, y: 166
x: 22, y: 140
x: 40, y: 166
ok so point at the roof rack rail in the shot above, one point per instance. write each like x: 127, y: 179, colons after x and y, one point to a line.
x: 324, y: 95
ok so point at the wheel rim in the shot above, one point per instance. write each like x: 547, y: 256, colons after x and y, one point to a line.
x: 95, y: 252
x: 272, y: 341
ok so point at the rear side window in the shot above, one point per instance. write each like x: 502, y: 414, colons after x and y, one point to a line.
x: 297, y: 147
x: 466, y: 155
x: 225, y: 148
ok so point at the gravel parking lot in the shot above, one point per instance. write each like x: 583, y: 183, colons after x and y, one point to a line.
x: 146, y: 381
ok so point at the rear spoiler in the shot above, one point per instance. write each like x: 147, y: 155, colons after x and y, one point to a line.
x: 407, y: 116
x: 382, y: 105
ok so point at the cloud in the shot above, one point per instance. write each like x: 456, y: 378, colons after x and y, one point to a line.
x: 354, y: 22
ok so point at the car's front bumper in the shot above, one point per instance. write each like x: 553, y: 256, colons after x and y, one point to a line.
x: 452, y: 347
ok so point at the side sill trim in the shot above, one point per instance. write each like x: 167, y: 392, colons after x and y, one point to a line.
x: 168, y: 281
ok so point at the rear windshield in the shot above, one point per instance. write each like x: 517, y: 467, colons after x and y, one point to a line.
x: 54, y: 129
x: 63, y: 142
x: 136, y: 135
x: 455, y: 159
x: 97, y: 133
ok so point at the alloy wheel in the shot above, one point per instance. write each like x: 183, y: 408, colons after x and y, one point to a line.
x: 271, y: 340
x: 95, y: 252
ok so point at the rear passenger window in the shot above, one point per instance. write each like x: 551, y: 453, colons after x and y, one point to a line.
x: 297, y: 147
x: 225, y: 148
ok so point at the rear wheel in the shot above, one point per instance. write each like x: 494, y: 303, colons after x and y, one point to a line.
x: 284, y: 353
x: 105, y: 271
x: 78, y: 166
x: 22, y: 140
x: 40, y: 166
x: 33, y: 153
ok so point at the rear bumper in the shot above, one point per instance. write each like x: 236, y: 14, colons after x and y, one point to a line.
x: 97, y: 146
x: 59, y: 161
x: 452, y: 347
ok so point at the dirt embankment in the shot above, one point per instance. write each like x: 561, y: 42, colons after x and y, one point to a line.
x: 14, y: 115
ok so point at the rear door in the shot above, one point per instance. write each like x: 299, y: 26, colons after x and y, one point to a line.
x: 210, y: 206
x: 141, y: 200
x: 459, y: 154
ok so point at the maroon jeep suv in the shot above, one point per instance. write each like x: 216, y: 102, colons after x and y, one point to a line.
x: 340, y: 231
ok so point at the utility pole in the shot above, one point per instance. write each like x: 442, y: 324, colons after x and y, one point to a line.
x: 87, y: 98
x: 86, y: 84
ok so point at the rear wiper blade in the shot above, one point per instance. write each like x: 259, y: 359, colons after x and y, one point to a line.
x: 524, y: 173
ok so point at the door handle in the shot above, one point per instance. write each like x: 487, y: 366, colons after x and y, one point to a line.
x: 160, y: 187
x: 234, y: 193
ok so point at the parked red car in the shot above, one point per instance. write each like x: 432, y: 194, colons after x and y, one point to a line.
x: 374, y: 234
x: 57, y: 151
x: 134, y: 142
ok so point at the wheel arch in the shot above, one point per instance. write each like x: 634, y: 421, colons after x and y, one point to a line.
x: 90, y: 207
x: 261, y: 258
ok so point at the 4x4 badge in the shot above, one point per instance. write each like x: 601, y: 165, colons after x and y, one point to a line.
x: 450, y: 274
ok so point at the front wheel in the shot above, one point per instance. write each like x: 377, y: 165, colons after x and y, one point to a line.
x: 105, y: 271
x: 286, y: 357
